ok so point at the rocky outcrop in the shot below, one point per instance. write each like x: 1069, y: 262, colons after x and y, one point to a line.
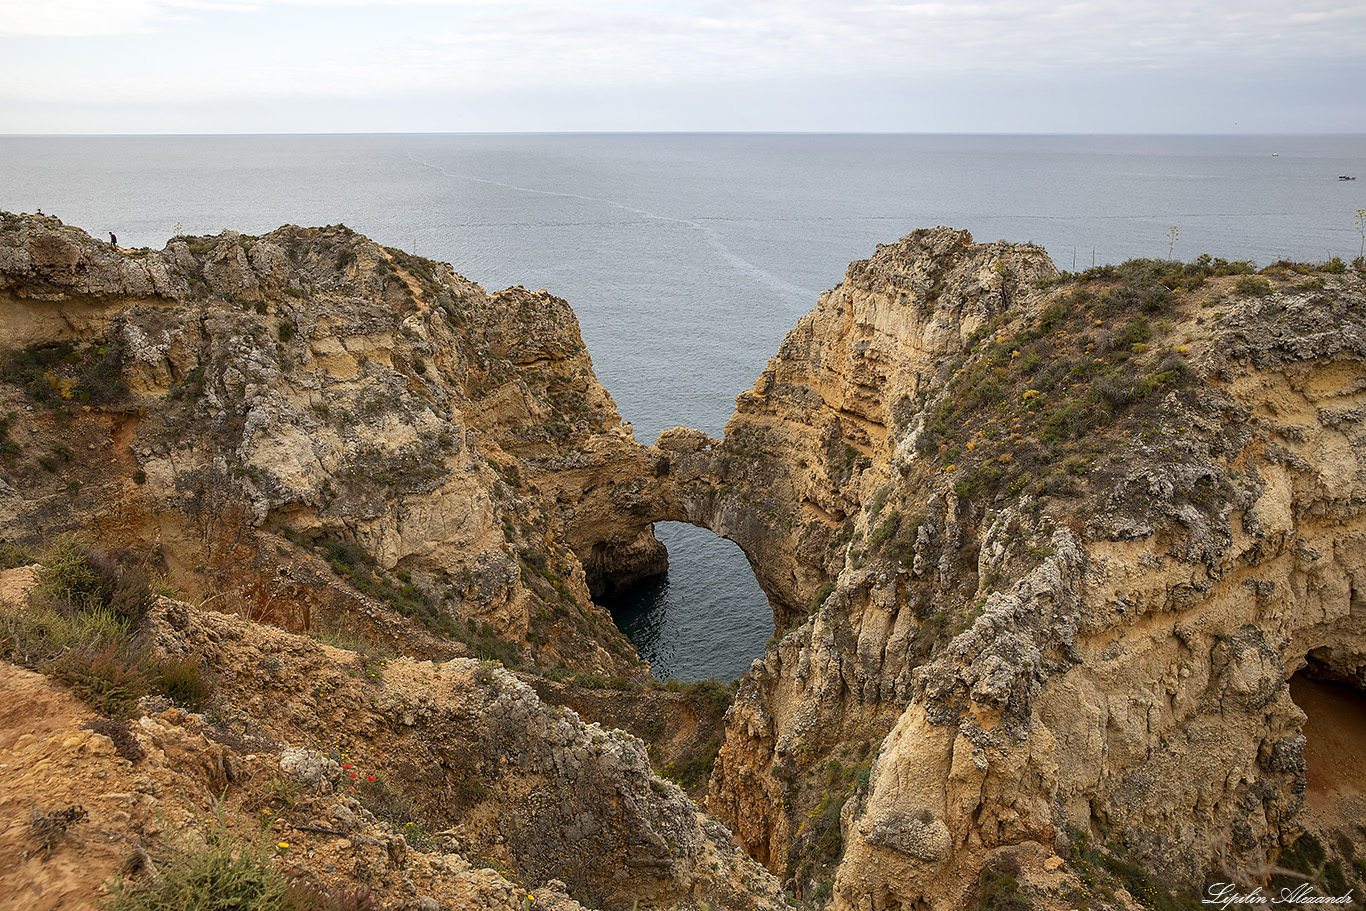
x: 1044, y: 551
x: 1092, y: 529
x: 818, y: 430
x: 440, y: 445
x: 824, y: 421
x: 501, y: 775
x: 407, y: 783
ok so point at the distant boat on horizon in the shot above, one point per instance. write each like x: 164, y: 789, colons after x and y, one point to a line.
x: 1345, y: 177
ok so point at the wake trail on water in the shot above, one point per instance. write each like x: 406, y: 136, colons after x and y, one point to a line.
x: 774, y: 282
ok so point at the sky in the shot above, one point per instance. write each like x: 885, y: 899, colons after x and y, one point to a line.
x: 345, y: 66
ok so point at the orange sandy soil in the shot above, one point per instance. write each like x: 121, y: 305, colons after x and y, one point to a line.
x: 74, y: 814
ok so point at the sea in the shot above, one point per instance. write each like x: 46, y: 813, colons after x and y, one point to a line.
x: 687, y: 257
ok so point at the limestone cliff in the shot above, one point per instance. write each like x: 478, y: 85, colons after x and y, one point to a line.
x: 436, y: 446
x: 1044, y: 551
x: 1076, y: 536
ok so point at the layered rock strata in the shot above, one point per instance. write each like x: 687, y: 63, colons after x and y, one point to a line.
x: 1044, y: 550
x: 417, y: 432
x: 1077, y: 537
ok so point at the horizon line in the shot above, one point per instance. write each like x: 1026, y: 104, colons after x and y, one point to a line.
x: 320, y: 133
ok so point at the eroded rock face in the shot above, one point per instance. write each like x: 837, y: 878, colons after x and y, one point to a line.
x: 1043, y: 552
x: 513, y: 782
x: 1068, y: 597
x: 822, y: 425
x: 809, y: 444
x: 313, y: 383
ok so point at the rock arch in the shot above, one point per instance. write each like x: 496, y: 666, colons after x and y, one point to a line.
x: 693, y: 478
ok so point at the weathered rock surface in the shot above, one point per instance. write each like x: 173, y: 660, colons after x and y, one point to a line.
x: 1044, y: 551
x: 503, y: 776
x: 313, y: 383
x: 511, y: 797
x: 1069, y: 596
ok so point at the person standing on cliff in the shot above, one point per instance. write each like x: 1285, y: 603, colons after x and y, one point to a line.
x: 113, y: 241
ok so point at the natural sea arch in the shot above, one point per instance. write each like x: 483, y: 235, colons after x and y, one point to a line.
x: 706, y: 617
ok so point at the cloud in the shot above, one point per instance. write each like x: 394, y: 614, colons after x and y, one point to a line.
x: 87, y: 18
x: 1025, y: 29
x: 596, y: 43
x: 291, y: 51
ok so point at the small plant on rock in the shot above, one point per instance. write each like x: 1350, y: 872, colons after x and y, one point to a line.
x: 1252, y: 286
x: 214, y: 868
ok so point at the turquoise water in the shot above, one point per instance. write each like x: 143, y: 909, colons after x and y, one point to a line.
x: 688, y: 257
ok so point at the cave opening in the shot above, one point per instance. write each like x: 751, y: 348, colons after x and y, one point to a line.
x: 706, y: 617
x: 1335, y: 739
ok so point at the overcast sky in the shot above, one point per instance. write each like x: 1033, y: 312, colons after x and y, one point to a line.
x: 158, y: 66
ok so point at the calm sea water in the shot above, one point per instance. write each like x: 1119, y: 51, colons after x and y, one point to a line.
x: 687, y: 257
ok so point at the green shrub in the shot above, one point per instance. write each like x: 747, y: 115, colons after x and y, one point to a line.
x: 38, y: 633
x: 998, y: 890
x: 80, y: 627
x: 696, y: 772
x: 1150, y: 297
x: 712, y: 693
x: 65, y: 575
x: 825, y: 590
x: 351, y: 562
x: 9, y: 449
x: 109, y: 676
x: 1135, y: 332
x: 1069, y: 420
x: 983, y: 481
x: 182, y: 680
x: 217, y: 869
x: 885, y: 530
x: 820, y: 841
x: 84, y: 579
x: 12, y: 556
x: 1054, y: 314
x: 1252, y: 286
x: 59, y: 371
x: 1306, y: 857
x: 1119, y: 390
x: 1102, y: 871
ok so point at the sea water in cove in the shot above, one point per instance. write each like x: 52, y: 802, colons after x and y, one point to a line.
x: 688, y: 257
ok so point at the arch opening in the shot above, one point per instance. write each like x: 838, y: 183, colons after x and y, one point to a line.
x: 705, y: 617
x: 1335, y: 741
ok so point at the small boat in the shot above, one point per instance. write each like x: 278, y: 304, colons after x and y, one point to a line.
x: 1275, y: 154
x: 1345, y: 177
